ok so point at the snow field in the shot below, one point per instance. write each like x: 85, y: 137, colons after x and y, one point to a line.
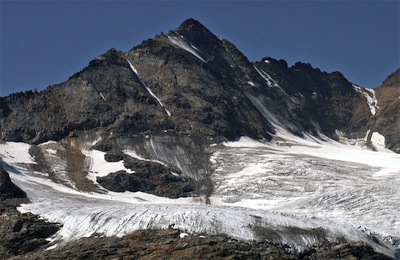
x: 288, y: 184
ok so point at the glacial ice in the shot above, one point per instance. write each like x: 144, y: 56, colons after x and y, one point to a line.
x: 290, y: 184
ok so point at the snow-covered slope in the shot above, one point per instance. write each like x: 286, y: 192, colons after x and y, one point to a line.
x: 294, y: 191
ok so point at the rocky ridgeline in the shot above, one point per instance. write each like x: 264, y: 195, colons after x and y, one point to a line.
x: 170, y: 244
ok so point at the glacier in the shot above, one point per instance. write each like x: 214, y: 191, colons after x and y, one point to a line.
x: 297, y: 191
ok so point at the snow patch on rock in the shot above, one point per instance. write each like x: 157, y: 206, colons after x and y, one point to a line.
x: 369, y: 94
x: 183, y: 45
x: 99, y: 167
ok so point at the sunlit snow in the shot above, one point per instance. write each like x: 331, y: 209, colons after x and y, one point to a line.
x: 99, y: 167
x: 345, y: 191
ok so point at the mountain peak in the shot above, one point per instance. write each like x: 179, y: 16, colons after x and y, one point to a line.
x: 193, y: 27
x: 190, y: 24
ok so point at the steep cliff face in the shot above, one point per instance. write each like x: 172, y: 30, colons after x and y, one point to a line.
x: 387, y: 121
x: 327, y: 100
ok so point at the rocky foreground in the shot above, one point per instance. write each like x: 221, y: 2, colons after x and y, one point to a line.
x: 168, y: 244
x: 25, y: 236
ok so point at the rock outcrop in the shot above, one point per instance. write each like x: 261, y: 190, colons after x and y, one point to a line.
x: 19, y: 233
x: 173, y: 244
x: 8, y: 190
x: 150, y: 177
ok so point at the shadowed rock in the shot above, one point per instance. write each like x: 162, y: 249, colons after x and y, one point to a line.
x: 8, y: 189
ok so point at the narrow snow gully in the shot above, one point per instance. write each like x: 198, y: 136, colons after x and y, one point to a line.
x: 369, y: 94
x: 147, y: 88
x: 272, y: 83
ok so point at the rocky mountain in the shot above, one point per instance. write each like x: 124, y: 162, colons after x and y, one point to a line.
x: 157, y: 121
x: 192, y: 82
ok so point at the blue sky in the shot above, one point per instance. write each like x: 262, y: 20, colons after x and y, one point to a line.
x: 44, y: 42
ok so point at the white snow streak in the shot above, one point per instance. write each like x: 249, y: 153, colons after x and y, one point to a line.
x: 148, y: 89
x: 133, y: 154
x: 371, y: 98
x: 102, y: 96
x: 189, y: 48
x: 266, y: 77
x: 251, y: 83
x: 272, y: 83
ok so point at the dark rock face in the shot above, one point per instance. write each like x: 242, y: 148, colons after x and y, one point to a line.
x: 108, y: 93
x: 149, y: 177
x: 325, y: 99
x: 387, y: 121
x: 204, y: 93
x: 8, y: 189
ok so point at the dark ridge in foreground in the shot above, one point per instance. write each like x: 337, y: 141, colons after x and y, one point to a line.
x: 168, y: 244
x: 19, y: 233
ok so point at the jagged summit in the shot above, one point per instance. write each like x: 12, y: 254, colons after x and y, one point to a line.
x: 194, y: 29
x: 191, y: 24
